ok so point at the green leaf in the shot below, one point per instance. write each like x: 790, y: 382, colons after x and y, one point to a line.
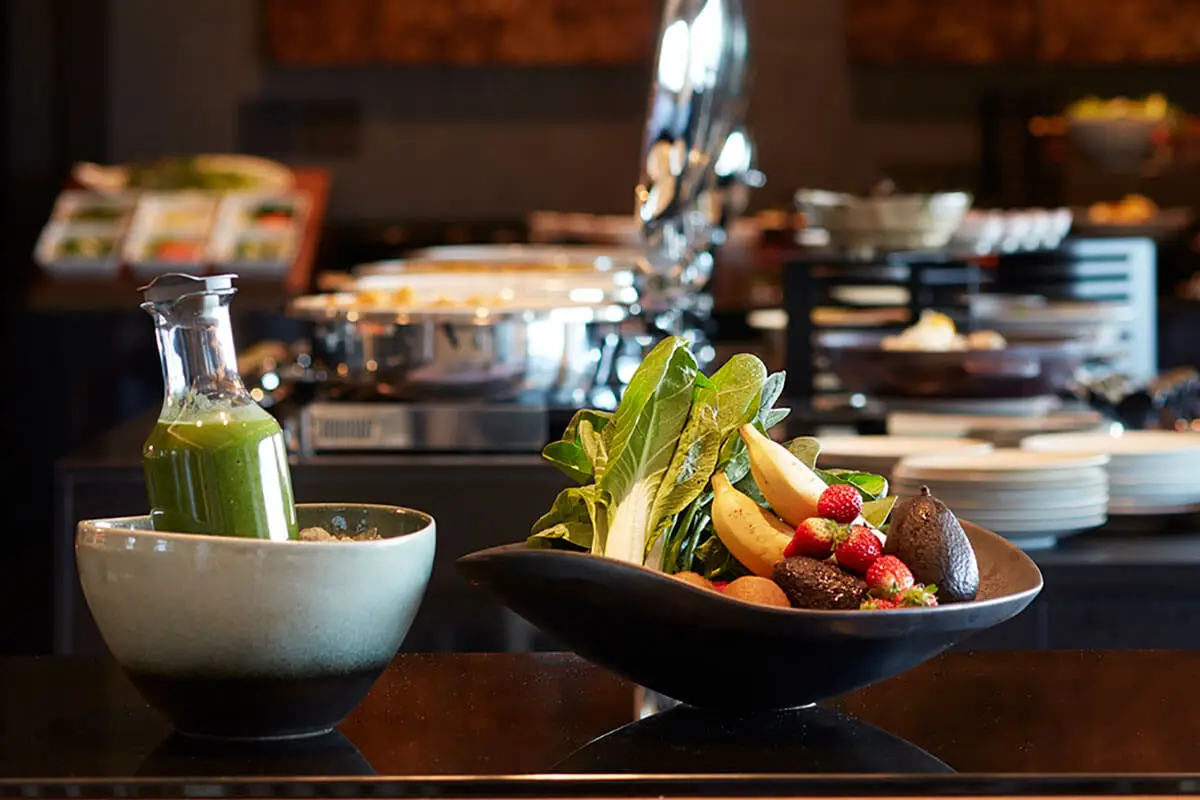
x: 876, y: 512
x: 805, y: 448
x: 748, y: 487
x: 647, y: 427
x: 571, y: 460
x: 594, y: 447
x: 571, y: 521
x: 691, y: 467
x: 717, y: 563
x: 772, y: 390
x: 871, y: 487
x: 738, y: 466
x: 739, y: 385
x: 569, y: 453
x: 774, y: 417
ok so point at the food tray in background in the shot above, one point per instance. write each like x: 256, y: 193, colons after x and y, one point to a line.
x: 80, y: 250
x: 258, y: 234
x: 170, y: 232
x: 84, y: 236
x: 81, y: 207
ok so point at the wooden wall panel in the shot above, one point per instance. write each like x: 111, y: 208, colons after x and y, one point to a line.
x: 320, y: 31
x: 548, y: 32
x: 1006, y: 31
x: 1120, y: 31
x: 938, y: 31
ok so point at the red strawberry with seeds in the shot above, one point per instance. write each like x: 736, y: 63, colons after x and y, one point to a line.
x: 876, y: 604
x: 888, y: 576
x: 840, y: 503
x: 918, y: 596
x: 858, y: 549
x: 814, y: 538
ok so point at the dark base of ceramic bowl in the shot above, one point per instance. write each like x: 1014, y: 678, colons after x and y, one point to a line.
x: 254, y: 707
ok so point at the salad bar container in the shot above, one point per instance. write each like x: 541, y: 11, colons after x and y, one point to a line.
x: 256, y: 233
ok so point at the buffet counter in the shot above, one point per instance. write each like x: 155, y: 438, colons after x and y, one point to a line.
x: 552, y: 725
x: 1103, y: 589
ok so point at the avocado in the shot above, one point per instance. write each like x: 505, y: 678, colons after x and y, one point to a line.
x: 809, y: 583
x: 929, y: 539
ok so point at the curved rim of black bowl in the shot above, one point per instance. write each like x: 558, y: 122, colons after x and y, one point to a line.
x: 717, y: 600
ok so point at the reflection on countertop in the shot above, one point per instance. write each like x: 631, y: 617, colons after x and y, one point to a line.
x: 1021, y: 714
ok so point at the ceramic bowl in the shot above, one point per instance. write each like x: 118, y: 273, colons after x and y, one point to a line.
x: 248, y: 639
x: 710, y: 651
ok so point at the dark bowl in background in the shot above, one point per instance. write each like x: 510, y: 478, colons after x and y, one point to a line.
x: 1023, y: 369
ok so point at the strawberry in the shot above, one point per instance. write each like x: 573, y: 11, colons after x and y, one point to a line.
x: 840, y: 503
x: 814, y: 538
x: 919, y: 596
x: 888, y: 576
x: 876, y: 604
x: 857, y: 549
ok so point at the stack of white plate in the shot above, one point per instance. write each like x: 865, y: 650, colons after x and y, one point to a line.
x: 1149, y: 472
x: 1032, y: 498
x: 880, y: 454
x: 1000, y: 430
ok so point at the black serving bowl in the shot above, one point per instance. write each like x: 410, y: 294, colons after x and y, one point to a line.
x: 714, y: 652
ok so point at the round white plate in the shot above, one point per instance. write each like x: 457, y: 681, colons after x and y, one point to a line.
x: 1000, y: 480
x: 1045, y: 504
x: 892, y: 447
x: 1057, y: 527
x: 1001, y: 517
x: 1003, y: 460
x: 1121, y: 446
x: 1152, y: 500
x: 1048, y: 491
x: 1135, y: 508
x: 921, y: 424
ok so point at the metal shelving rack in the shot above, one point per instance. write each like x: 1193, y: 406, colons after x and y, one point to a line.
x: 811, y: 279
x: 1084, y: 269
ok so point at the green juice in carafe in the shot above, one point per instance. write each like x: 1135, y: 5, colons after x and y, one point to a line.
x: 222, y: 472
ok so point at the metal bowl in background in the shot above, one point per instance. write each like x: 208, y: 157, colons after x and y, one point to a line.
x: 531, y: 256
x: 1024, y: 369
x: 884, y: 222
x: 562, y: 351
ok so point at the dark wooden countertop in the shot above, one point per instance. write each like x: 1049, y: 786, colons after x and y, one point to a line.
x: 530, y: 725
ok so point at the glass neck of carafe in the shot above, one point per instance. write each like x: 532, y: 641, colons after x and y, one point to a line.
x: 199, y: 361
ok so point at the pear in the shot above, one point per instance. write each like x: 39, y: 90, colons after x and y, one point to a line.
x: 789, y: 486
x: 753, y: 535
x: 929, y: 539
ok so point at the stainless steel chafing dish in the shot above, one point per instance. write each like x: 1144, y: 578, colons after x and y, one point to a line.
x: 475, y: 334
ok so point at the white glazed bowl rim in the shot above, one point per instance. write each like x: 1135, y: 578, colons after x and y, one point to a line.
x: 126, y: 526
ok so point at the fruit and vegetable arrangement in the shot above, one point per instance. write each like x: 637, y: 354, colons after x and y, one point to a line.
x: 684, y: 479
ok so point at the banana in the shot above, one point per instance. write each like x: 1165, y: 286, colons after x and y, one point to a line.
x: 753, y: 535
x: 791, y: 488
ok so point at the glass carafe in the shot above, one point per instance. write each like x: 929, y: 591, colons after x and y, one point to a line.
x: 216, y: 462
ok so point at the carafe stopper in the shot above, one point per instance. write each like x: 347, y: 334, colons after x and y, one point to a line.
x: 171, y: 286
